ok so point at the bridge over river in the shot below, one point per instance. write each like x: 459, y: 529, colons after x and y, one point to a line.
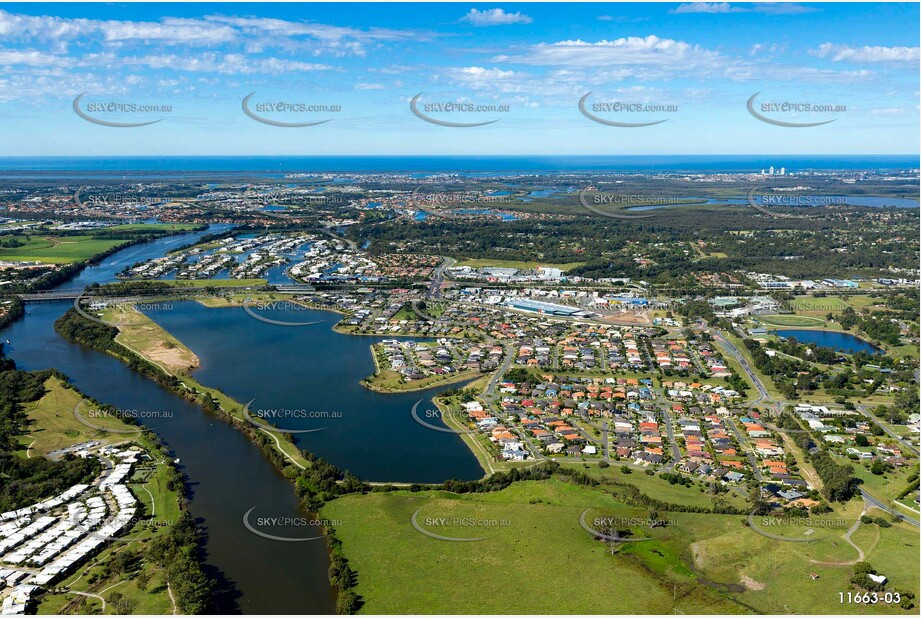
x: 40, y: 295
x: 74, y: 293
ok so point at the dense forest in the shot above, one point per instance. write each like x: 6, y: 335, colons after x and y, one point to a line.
x: 662, y: 249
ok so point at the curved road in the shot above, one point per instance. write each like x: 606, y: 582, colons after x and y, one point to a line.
x: 876, y: 503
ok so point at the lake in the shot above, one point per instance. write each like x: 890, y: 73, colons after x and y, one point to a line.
x: 317, y: 370
x: 845, y: 342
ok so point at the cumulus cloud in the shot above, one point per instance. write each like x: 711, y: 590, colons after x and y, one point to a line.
x: 649, y: 50
x: 846, y: 53
x: 495, y: 17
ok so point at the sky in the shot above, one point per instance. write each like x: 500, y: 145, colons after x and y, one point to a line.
x: 351, y: 72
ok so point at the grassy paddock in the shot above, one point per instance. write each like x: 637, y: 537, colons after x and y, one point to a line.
x: 52, y: 249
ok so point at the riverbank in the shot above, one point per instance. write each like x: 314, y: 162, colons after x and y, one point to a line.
x: 144, y: 584
x: 256, y: 575
x: 140, y: 335
x: 389, y: 381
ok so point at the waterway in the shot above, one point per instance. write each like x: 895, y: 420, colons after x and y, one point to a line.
x: 228, y: 475
x: 311, y: 376
x: 846, y: 342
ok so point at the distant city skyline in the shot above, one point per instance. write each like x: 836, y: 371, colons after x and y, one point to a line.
x: 374, y: 79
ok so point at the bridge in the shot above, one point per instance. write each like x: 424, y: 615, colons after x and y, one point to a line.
x: 40, y: 295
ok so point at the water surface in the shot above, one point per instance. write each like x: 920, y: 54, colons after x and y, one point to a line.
x: 845, y: 342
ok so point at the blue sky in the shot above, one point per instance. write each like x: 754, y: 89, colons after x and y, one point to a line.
x: 696, y: 63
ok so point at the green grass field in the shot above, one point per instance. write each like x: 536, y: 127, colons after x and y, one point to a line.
x: 791, y: 320
x: 536, y: 558
x: 52, y: 424
x: 52, y: 249
x: 823, y: 304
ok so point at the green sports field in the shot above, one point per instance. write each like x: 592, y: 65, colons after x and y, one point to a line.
x: 790, y: 320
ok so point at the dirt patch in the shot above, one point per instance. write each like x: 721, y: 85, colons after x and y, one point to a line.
x: 696, y: 554
x: 176, y: 360
x: 628, y: 318
x: 751, y: 584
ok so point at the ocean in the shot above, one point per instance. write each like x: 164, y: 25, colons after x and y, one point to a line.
x: 26, y: 167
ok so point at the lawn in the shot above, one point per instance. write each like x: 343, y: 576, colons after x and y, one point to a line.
x: 790, y: 320
x: 656, y: 487
x: 57, y: 249
x: 536, y: 558
x: 52, y: 424
x: 819, y: 304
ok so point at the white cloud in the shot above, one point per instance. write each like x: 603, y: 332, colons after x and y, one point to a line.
x: 650, y: 50
x: 495, y: 17
x: 707, y: 7
x: 225, y: 64
x: 10, y: 57
x: 253, y: 34
x: 846, y: 53
x: 767, y: 8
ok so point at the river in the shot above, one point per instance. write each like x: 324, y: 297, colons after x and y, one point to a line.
x: 228, y: 475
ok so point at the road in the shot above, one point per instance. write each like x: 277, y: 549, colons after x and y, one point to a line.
x: 863, y: 410
x: 438, y: 276
x: 670, y: 432
x: 874, y: 502
x: 509, y: 357
x: 743, y: 444
x: 730, y: 348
